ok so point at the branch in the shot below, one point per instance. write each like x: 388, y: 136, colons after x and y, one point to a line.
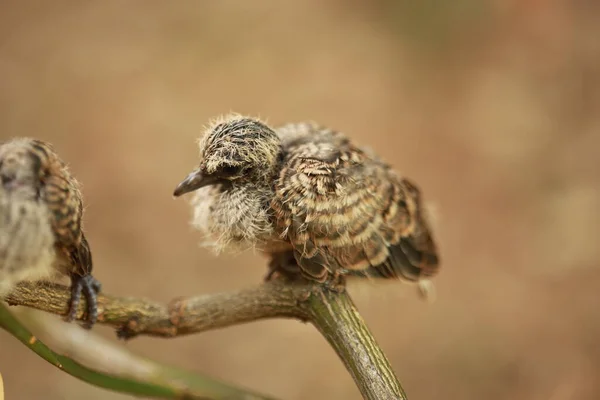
x: 132, y: 316
x: 336, y: 317
x: 332, y: 312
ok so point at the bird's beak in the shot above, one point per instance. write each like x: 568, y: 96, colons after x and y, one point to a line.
x: 194, y: 181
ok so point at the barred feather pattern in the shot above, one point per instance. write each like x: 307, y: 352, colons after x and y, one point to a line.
x: 306, y: 193
x: 346, y: 211
x: 42, y: 209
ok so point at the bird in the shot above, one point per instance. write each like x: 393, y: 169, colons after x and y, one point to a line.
x: 41, y: 236
x: 309, y: 198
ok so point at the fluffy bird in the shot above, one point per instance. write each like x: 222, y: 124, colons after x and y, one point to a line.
x: 40, y: 223
x: 311, y: 199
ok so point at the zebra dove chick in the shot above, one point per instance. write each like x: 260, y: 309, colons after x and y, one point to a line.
x: 40, y: 223
x: 311, y: 199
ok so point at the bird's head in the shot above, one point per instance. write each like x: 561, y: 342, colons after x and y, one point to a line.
x: 233, y: 150
x: 25, y: 162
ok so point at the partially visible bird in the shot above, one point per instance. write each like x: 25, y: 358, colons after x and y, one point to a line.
x: 311, y: 199
x: 40, y: 223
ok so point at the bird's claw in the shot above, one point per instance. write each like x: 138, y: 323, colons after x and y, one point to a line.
x: 282, y: 266
x: 90, y: 287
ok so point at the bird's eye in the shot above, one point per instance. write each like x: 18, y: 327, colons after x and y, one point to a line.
x: 231, y: 170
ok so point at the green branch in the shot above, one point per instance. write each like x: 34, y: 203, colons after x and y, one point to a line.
x: 187, y: 386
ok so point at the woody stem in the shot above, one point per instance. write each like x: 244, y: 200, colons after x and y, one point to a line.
x: 332, y: 312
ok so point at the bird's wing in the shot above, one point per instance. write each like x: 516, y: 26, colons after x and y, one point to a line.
x: 344, y: 210
x: 66, y: 209
x: 61, y: 194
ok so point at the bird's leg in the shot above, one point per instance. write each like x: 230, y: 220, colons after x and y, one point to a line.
x: 89, y: 286
x: 282, y: 265
x: 336, y: 282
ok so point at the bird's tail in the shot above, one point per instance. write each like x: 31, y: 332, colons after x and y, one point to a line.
x: 412, y: 259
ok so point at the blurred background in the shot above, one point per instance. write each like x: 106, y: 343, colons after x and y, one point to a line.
x: 491, y: 106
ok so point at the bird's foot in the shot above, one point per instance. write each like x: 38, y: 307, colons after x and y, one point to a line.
x: 336, y: 283
x: 89, y: 287
x: 282, y: 266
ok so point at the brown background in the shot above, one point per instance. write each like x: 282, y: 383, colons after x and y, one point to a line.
x: 492, y: 106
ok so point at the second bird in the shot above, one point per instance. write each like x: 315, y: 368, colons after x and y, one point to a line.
x: 41, y: 209
x: 310, y: 198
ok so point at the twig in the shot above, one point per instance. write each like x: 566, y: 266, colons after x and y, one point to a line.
x: 181, y: 316
x: 332, y: 312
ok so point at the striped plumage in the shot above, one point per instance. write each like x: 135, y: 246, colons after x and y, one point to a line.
x: 305, y: 193
x: 38, y: 183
